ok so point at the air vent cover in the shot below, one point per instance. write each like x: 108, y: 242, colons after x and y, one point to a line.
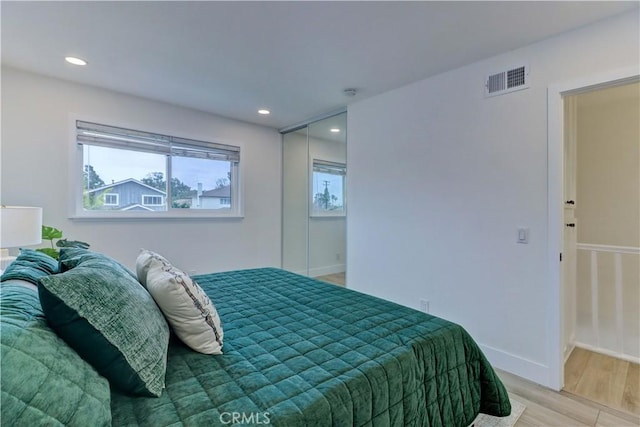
x: 516, y: 78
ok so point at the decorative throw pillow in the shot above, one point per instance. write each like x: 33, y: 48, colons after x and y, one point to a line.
x: 76, y: 256
x: 186, y: 306
x: 19, y: 282
x: 30, y: 265
x: 44, y: 381
x: 110, y: 320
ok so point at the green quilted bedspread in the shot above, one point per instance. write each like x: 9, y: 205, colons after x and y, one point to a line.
x: 43, y: 382
x: 299, y: 352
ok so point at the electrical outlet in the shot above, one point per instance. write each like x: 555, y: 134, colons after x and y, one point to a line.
x: 337, y: 257
x: 424, y: 306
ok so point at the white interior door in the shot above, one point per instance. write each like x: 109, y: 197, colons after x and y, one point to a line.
x: 570, y: 229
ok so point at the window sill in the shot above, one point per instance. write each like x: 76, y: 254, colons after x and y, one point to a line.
x: 159, y: 216
x: 327, y: 215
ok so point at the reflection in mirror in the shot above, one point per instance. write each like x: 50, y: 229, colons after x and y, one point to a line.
x: 295, y: 215
x: 328, y: 187
x: 314, y: 200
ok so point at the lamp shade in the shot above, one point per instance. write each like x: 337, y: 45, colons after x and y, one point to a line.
x: 20, y: 226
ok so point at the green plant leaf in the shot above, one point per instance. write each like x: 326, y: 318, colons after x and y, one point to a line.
x: 53, y: 253
x: 64, y: 243
x: 50, y: 233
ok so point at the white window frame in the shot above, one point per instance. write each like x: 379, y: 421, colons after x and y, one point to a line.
x: 76, y: 208
x: 153, y: 204
x: 315, y: 213
x: 116, y: 195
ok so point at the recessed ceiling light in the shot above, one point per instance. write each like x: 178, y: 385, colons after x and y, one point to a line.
x: 264, y: 112
x: 75, y: 61
x: 334, y: 130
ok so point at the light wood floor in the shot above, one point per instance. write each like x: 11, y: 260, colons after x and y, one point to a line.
x: 545, y: 407
x: 604, y: 379
x: 336, y: 279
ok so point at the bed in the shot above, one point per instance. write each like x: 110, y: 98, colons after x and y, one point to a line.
x: 297, y: 352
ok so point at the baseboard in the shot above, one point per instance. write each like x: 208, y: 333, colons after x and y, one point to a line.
x: 323, y: 271
x: 517, y: 365
x: 627, y: 357
x: 330, y: 269
x: 568, y: 349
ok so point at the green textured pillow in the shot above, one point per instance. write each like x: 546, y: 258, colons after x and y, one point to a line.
x: 75, y: 256
x: 110, y: 320
x: 44, y: 381
x: 30, y: 265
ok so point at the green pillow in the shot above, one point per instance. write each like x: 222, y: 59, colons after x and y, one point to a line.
x: 110, y: 320
x: 30, y: 265
x: 44, y: 381
x: 76, y: 256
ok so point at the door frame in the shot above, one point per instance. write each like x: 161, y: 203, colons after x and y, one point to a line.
x: 555, y: 204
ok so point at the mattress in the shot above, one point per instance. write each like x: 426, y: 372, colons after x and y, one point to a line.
x: 300, y: 352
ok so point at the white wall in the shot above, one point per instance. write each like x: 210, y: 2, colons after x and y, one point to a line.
x: 460, y: 173
x: 36, y: 144
x: 608, y: 172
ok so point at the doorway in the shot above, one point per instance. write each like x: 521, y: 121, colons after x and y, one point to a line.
x: 556, y: 228
x: 314, y: 209
x: 602, y: 245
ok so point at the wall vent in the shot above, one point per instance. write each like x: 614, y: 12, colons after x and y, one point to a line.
x: 516, y: 78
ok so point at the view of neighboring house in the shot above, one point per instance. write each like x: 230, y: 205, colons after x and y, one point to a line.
x: 127, y: 195
x: 218, y: 198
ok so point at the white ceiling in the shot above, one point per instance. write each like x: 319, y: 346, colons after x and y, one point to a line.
x: 295, y: 58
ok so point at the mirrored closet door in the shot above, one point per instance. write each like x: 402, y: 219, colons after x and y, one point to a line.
x: 314, y: 199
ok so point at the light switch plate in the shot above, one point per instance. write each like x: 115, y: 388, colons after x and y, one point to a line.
x: 523, y: 235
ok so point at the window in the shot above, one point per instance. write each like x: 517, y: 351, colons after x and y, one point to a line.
x: 328, y: 187
x: 110, y: 199
x: 141, y: 174
x: 152, y: 200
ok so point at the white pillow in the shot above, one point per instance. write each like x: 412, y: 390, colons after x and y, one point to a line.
x: 187, y: 308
